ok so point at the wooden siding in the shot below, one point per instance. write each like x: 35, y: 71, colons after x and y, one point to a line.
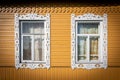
x: 59, y: 74
x: 60, y: 47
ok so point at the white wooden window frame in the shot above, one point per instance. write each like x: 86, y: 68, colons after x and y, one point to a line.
x: 102, y: 34
x: 19, y: 62
x: 32, y: 47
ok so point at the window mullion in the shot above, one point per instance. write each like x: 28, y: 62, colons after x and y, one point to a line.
x: 32, y: 48
x: 88, y: 48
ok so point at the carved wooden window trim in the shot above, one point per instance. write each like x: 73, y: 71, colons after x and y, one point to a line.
x: 32, y: 17
x: 89, y: 18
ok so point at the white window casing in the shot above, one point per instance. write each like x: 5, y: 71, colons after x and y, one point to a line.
x: 101, y: 36
x: 19, y: 62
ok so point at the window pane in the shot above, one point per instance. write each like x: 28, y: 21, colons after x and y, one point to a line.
x: 87, y: 28
x: 33, y: 27
x: 27, y: 27
x: 27, y: 47
x: 94, y: 48
x: 38, y: 43
x: 82, y: 48
x: 39, y: 28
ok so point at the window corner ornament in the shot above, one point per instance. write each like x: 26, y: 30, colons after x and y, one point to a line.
x: 88, y: 41
x: 32, y: 36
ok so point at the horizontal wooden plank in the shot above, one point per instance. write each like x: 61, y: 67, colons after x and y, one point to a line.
x: 113, y: 27
x: 60, y: 57
x: 7, y: 37
x: 57, y: 20
x: 7, y: 59
x: 63, y: 23
x: 114, y: 50
x: 7, y: 50
x: 6, y: 16
x: 60, y: 64
x: 110, y: 56
x: 113, y: 64
x: 60, y: 32
x: 7, y: 54
x: 117, y: 60
x: 60, y: 27
x: 7, y: 46
x: 61, y: 44
x: 7, y: 20
x: 114, y: 45
x: 7, y: 64
x: 60, y: 53
x: 6, y: 27
x: 59, y: 49
x: 6, y: 42
x: 60, y: 60
x: 6, y: 23
x: 57, y: 38
x: 115, y: 24
x: 7, y: 33
x: 113, y: 16
x: 113, y: 34
x: 60, y: 15
x: 113, y: 42
x: 110, y: 30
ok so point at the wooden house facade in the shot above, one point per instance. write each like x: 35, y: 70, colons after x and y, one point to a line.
x: 60, y: 44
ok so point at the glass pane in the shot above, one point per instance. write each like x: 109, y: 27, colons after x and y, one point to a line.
x: 27, y: 47
x: 38, y: 43
x: 87, y: 28
x: 94, y: 48
x: 93, y: 57
x: 33, y: 27
x: 27, y: 27
x: 81, y: 48
x: 39, y: 28
x: 81, y: 58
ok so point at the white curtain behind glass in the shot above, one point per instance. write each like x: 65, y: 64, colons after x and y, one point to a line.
x: 37, y: 31
x: 88, y: 28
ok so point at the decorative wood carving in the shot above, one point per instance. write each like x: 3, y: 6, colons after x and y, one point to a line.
x: 92, y: 18
x: 32, y: 16
x: 81, y: 10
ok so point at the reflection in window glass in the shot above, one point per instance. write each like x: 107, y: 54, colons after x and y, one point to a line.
x: 27, y: 48
x: 33, y: 27
x: 82, y: 48
x: 87, y: 28
x: 38, y: 28
x: 38, y: 48
x: 27, y: 28
x: 94, y: 48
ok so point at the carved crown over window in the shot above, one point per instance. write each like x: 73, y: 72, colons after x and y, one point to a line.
x: 89, y: 16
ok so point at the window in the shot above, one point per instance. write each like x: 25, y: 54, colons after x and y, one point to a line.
x: 32, y: 41
x: 89, y: 41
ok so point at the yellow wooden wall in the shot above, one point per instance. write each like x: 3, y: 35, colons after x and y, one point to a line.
x: 60, y: 45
